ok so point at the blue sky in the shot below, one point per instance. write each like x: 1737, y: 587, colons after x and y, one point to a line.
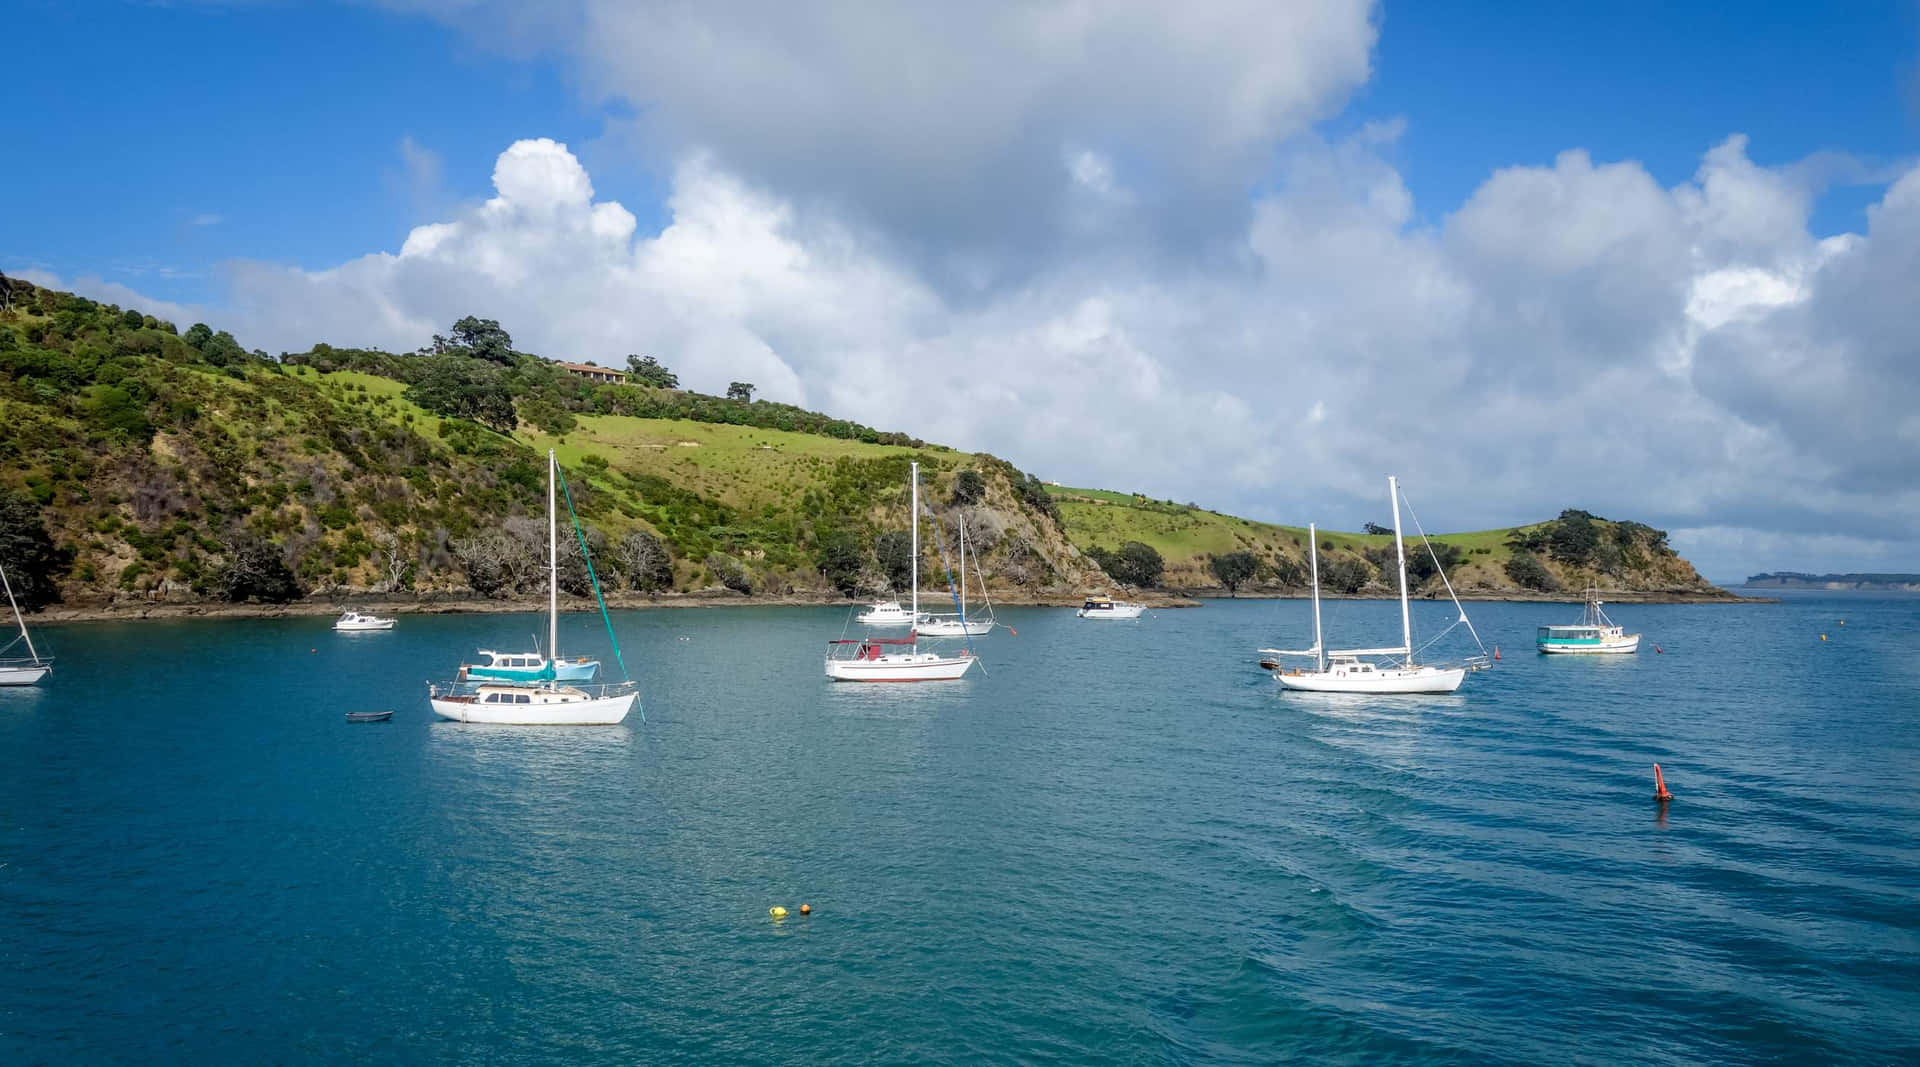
x: 1247, y: 254
x: 284, y: 121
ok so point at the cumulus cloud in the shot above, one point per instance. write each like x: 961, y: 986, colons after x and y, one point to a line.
x: 943, y: 125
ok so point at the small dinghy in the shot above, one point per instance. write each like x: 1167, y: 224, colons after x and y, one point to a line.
x: 369, y: 716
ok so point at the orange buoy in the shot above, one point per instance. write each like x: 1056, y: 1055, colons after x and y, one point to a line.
x: 806, y: 909
x: 1660, y: 786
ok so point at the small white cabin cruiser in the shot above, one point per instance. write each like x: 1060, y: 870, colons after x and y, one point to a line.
x: 353, y: 621
x: 885, y: 613
x: 1100, y: 607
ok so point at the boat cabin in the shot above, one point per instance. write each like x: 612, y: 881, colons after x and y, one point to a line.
x: 1098, y: 603
x: 495, y: 659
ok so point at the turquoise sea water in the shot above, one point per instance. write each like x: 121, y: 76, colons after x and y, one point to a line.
x: 1121, y: 843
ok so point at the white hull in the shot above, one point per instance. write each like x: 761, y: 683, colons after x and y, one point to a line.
x: 1380, y: 680
x: 1118, y: 611
x: 22, y: 675
x: 954, y: 627
x: 907, y: 667
x: 359, y: 627
x: 601, y: 711
x: 1604, y: 647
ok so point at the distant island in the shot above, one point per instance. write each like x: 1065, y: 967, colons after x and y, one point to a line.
x: 150, y: 468
x: 1904, y: 583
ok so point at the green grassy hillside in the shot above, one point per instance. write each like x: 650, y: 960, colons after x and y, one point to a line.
x: 175, y: 466
x: 1613, y: 555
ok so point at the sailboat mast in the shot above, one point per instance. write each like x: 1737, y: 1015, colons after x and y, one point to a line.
x: 1400, y: 555
x: 963, y: 567
x: 913, y: 511
x: 1313, y: 557
x: 17, y: 618
x: 553, y: 567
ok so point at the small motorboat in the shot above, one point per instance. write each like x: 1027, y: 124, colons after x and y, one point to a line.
x: 353, y: 621
x: 369, y: 716
x: 1103, y: 607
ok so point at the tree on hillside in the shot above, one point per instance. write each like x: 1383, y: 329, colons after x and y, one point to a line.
x: 742, y: 391
x: 648, y: 564
x: 1134, y: 563
x: 1233, y: 569
x: 840, y: 560
x: 32, y: 562
x: 484, y: 338
x: 895, y: 552
x: 462, y: 388
x: 650, y: 371
x: 394, y: 553
x: 257, y: 570
x: 969, y: 487
x: 1345, y: 575
x: 1574, y: 537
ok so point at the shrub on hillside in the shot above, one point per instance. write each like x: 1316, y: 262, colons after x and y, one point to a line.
x: 731, y: 572
x: 255, y: 569
x: 646, y: 561
x: 1345, y: 575
x: 32, y: 562
x: 1527, y: 570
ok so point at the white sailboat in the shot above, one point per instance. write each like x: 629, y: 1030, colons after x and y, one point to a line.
x: 1345, y: 670
x: 961, y: 625
x: 20, y: 671
x: 545, y: 702
x: 1594, y: 634
x: 896, y: 659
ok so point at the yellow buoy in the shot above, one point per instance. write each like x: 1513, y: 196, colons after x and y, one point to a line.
x: 1823, y: 637
x: 806, y: 909
x: 777, y: 912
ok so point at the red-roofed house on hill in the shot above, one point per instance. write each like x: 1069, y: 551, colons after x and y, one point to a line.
x: 593, y: 372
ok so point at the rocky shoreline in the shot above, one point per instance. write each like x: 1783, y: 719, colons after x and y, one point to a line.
x: 127, y: 608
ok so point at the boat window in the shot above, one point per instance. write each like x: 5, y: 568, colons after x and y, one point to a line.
x: 492, y: 698
x: 522, y: 699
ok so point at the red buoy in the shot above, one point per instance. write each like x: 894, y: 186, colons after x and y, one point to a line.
x: 1657, y: 648
x: 1496, y: 652
x: 1660, y: 786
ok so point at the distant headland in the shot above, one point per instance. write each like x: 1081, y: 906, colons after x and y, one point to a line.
x: 1899, y: 583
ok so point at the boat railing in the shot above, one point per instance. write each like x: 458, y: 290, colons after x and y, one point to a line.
x: 43, y: 661
x: 465, y: 690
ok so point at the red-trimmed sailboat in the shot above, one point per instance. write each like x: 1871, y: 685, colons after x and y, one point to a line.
x: 896, y: 659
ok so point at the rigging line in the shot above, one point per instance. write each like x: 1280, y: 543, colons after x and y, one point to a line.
x: 940, y: 543
x: 978, y: 573
x: 1443, y: 574
x: 594, y: 579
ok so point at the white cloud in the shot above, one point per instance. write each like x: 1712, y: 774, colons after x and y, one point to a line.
x: 208, y: 219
